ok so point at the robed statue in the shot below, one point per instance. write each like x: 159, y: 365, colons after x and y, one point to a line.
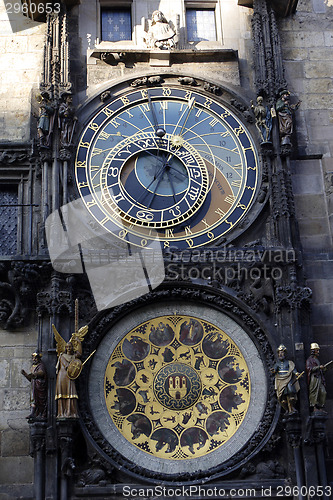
x: 286, y: 381
x: 38, y: 379
x: 285, y: 116
x: 68, y: 368
x: 316, y: 379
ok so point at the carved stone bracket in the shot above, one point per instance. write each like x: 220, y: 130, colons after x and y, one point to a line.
x: 65, y: 431
x: 65, y: 154
x: 57, y: 299
x: 37, y: 437
x: 99, y: 471
x: 18, y: 284
x: 293, y: 428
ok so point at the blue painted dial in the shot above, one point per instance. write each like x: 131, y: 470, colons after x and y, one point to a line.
x: 167, y: 161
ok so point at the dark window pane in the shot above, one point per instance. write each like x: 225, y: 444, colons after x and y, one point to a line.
x: 200, y: 25
x: 116, y: 25
x: 8, y: 220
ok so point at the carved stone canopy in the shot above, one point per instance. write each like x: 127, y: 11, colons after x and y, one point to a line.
x: 283, y: 7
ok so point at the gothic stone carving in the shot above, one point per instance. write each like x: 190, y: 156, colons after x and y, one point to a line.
x: 17, y: 291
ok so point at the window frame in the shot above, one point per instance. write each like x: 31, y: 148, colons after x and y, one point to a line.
x: 17, y: 187
x: 206, y: 5
x: 104, y: 4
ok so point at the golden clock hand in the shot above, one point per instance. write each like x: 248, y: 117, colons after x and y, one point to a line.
x: 190, y: 106
x: 159, y: 131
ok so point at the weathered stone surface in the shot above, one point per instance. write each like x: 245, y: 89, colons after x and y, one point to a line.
x: 15, y: 399
x: 314, y: 243
x: 21, y: 62
x: 322, y: 290
x: 308, y: 184
x: 303, y: 39
x: 322, y: 314
x: 4, y: 373
x: 318, y: 85
x: 314, y: 227
x: 15, y: 443
x: 310, y: 206
x: 316, y: 69
x: 16, y: 470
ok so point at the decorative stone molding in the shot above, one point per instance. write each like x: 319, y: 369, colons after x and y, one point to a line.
x: 267, y: 51
x: 12, y: 157
x: 19, y: 281
x: 293, y: 430
x: 292, y: 297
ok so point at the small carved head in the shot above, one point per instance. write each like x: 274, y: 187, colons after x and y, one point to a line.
x: 158, y: 17
x: 281, y: 351
x: 315, y: 348
x: 36, y: 357
x: 69, y: 348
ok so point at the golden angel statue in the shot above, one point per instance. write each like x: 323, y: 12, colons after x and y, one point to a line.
x: 68, y: 368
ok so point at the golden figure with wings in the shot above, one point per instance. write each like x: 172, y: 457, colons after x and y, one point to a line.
x: 68, y: 368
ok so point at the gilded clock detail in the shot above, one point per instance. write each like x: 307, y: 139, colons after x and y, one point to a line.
x: 177, y: 387
x: 167, y: 163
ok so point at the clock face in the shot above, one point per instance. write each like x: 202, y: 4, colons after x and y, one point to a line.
x: 167, y: 163
x: 177, y: 388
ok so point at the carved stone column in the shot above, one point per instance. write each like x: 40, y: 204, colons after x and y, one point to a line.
x: 314, y: 440
x: 65, y: 431
x: 293, y: 429
x: 319, y: 437
x: 55, y: 304
x: 37, y: 442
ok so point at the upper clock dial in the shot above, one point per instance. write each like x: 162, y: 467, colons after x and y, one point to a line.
x: 169, y: 163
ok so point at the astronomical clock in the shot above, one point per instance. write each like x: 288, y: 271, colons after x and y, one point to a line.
x: 177, y: 386
x: 168, y: 163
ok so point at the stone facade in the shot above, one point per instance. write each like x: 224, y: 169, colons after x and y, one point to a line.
x: 21, y: 59
x: 95, y: 66
x: 307, y: 49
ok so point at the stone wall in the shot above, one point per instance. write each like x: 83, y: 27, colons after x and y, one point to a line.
x: 21, y: 54
x: 16, y: 466
x: 307, y: 40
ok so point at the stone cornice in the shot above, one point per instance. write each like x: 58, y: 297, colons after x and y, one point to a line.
x: 284, y: 7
